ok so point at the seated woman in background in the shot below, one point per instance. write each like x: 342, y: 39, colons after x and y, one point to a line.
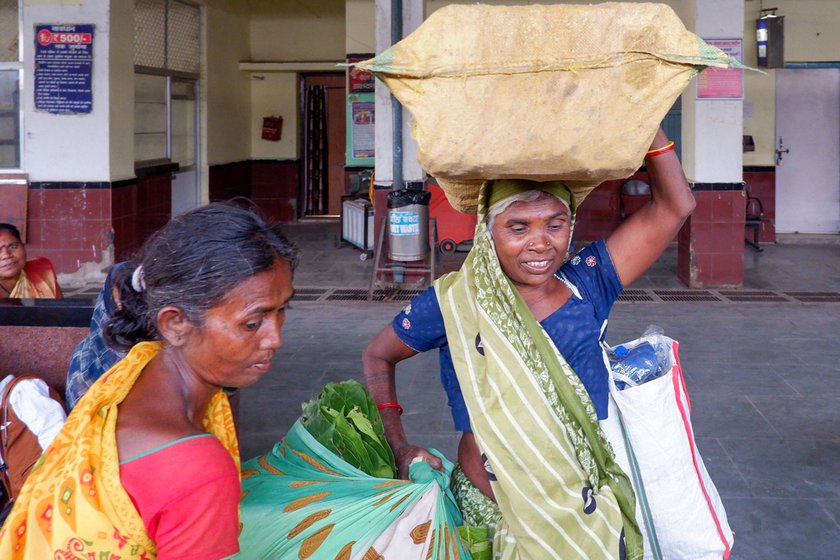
x: 147, y: 464
x: 20, y: 278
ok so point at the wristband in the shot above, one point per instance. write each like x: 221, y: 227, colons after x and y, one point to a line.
x: 659, y: 151
x: 390, y: 405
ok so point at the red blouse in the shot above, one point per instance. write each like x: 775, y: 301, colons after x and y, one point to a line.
x: 187, y: 493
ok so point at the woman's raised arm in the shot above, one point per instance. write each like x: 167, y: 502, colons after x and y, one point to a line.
x: 639, y: 241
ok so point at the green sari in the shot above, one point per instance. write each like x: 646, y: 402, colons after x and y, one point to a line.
x: 559, y: 489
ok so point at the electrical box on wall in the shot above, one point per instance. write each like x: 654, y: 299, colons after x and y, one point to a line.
x: 770, y: 39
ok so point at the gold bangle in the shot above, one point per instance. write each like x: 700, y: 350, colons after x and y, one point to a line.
x: 657, y: 151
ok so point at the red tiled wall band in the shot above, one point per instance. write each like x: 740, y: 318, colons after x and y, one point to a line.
x: 271, y: 185
x: 762, y: 184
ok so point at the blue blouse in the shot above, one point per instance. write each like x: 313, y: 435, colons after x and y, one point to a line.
x: 577, y: 328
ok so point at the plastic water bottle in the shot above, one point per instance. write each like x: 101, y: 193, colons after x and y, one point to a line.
x: 635, y: 366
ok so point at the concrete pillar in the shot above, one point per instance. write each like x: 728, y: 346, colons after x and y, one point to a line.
x: 412, y: 173
x: 412, y: 17
x: 711, y: 245
x: 95, y: 146
x: 73, y: 160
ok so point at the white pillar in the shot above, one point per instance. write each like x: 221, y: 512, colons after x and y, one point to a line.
x: 712, y: 129
x: 95, y: 146
x: 412, y: 17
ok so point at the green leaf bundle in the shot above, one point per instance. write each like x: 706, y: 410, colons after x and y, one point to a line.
x: 477, y: 540
x: 345, y: 420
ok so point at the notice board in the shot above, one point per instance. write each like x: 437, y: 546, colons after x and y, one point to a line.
x: 723, y: 83
x: 360, y: 113
x: 361, y: 127
x: 64, y: 68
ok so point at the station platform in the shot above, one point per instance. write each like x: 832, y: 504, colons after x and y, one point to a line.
x: 762, y: 366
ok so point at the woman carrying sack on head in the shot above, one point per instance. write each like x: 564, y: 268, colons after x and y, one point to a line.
x: 519, y: 328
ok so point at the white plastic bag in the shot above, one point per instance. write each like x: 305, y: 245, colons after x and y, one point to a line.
x: 685, y: 509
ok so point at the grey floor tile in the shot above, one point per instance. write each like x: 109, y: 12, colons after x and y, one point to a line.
x: 787, y: 468
x: 723, y: 470
x: 259, y: 442
x: 801, y: 418
x: 727, y: 380
x: 833, y: 509
x: 727, y: 417
x: 812, y: 380
x: 771, y: 528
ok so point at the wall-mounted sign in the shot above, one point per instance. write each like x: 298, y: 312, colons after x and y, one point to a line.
x: 64, y: 68
x: 358, y: 80
x: 723, y: 83
x: 361, y: 129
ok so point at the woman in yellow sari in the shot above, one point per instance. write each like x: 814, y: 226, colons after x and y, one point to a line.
x: 147, y: 464
x: 20, y: 278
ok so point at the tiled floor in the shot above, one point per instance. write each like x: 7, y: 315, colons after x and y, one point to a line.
x: 764, y: 380
x: 763, y: 375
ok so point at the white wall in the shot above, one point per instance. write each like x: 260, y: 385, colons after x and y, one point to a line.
x: 712, y: 129
x: 810, y: 28
x: 226, y: 91
x: 77, y: 147
x: 274, y: 94
x: 359, y: 29
x: 294, y: 30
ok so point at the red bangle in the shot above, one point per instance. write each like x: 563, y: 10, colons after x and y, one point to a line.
x: 390, y: 405
x: 659, y: 151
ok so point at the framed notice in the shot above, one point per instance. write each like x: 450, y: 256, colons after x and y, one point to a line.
x: 361, y: 125
x: 358, y: 80
x: 723, y: 83
x: 63, y: 68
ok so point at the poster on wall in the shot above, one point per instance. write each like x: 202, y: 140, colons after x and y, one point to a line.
x: 723, y: 83
x: 64, y: 68
x: 358, y: 80
x: 361, y: 127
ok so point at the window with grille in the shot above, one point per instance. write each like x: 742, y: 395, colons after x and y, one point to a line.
x: 167, y: 65
x: 11, y: 70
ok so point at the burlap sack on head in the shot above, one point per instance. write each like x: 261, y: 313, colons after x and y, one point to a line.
x: 540, y: 92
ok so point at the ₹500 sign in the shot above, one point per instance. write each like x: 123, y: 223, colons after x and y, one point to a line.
x: 47, y: 37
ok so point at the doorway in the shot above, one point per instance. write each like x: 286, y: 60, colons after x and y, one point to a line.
x: 184, y: 137
x: 807, y: 147
x: 323, y: 140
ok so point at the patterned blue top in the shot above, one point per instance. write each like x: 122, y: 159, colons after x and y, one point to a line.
x: 92, y: 356
x: 577, y: 328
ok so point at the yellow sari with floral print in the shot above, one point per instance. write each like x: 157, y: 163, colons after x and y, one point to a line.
x: 73, y: 505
